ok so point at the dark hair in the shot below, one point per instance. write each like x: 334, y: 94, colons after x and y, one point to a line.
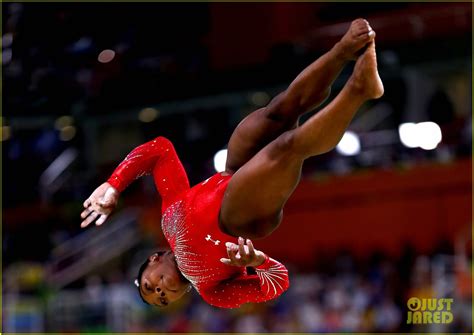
x: 142, y: 269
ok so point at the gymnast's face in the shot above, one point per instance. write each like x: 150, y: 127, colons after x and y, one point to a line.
x: 161, y: 282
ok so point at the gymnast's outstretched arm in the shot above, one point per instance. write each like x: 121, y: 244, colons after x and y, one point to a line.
x: 157, y: 157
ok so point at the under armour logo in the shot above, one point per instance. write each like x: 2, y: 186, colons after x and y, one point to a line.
x: 208, y: 238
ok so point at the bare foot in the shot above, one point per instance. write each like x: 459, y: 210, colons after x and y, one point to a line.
x: 356, y: 38
x: 365, y: 79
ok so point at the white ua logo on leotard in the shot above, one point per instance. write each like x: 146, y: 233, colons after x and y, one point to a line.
x: 208, y: 238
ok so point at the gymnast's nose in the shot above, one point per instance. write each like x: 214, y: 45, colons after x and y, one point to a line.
x: 160, y: 292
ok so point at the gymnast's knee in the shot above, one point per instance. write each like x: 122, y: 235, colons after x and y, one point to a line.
x: 283, y: 145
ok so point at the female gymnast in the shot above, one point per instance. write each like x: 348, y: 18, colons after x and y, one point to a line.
x: 209, y: 226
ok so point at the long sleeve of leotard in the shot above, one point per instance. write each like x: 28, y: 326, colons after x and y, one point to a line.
x: 157, y: 157
x: 270, y: 281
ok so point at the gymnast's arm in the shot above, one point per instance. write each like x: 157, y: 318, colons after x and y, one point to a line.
x: 157, y: 157
x: 268, y: 281
x: 264, y: 278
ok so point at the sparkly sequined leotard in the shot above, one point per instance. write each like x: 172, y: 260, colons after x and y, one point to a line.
x: 190, y: 224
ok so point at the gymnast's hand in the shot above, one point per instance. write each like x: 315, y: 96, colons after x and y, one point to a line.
x: 99, y: 205
x: 243, y: 254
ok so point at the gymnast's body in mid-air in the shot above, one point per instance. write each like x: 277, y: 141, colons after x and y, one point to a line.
x: 209, y: 226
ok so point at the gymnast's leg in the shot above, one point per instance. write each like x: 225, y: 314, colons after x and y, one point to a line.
x: 254, y: 199
x: 308, y: 90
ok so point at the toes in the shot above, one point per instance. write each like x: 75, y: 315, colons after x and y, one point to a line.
x: 361, y: 27
x: 366, y: 36
x: 355, y: 40
x: 358, y: 22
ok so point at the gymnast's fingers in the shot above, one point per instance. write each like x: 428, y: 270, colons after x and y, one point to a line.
x: 101, y: 220
x: 89, y: 219
x: 251, y: 248
x: 231, y: 251
x: 87, y: 203
x: 226, y: 261
x: 85, y: 212
x: 242, y: 252
x: 85, y: 223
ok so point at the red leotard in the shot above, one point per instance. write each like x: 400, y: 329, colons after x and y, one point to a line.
x: 190, y: 224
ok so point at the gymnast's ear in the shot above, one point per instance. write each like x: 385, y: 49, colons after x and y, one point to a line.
x: 154, y: 258
x: 157, y: 256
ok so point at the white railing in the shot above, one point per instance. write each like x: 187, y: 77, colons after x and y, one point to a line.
x: 92, y: 248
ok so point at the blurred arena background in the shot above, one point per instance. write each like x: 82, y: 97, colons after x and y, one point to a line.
x: 385, y: 217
